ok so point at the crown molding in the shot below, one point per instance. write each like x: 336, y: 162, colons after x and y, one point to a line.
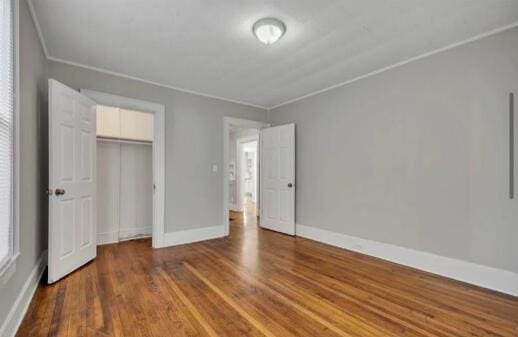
x: 398, y: 64
x: 268, y: 108
x: 38, y: 28
x: 158, y: 84
x: 118, y: 74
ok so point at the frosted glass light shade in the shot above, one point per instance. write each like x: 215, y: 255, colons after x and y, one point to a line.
x: 269, y: 30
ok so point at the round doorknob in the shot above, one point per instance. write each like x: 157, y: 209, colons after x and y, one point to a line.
x: 290, y: 185
x: 60, y: 191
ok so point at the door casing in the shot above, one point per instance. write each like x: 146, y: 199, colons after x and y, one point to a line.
x: 158, y: 152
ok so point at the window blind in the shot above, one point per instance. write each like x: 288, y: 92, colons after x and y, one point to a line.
x: 6, y: 128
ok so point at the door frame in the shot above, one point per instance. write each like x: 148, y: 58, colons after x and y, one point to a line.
x: 158, y: 152
x: 227, y: 123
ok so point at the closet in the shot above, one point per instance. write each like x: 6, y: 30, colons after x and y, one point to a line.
x: 124, y: 174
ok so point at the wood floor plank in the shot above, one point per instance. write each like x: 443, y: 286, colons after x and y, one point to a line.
x: 77, y: 322
x: 430, y: 319
x: 225, y: 320
x: 264, y: 330
x: 439, y: 305
x: 172, y: 285
x: 260, y: 283
x: 177, y: 314
x: 314, y: 308
x: 38, y: 320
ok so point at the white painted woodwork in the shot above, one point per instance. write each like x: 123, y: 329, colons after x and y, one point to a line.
x: 487, y: 277
x: 158, y: 110
x: 72, y: 162
x: 278, y: 172
x: 136, y: 125
x: 108, y: 121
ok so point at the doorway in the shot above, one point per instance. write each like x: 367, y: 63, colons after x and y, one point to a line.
x: 275, y: 195
x: 248, y: 175
x: 73, y: 170
x: 241, y: 177
x: 244, y: 166
x: 124, y: 174
x: 132, y: 138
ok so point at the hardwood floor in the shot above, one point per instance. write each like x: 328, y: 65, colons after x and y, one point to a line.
x: 260, y: 283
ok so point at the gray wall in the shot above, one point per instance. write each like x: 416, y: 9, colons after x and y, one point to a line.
x: 33, y: 160
x: 194, y: 141
x: 416, y: 156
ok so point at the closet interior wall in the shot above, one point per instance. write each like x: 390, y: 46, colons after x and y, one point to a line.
x: 125, y: 186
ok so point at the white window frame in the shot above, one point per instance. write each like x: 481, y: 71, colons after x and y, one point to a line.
x: 9, y: 266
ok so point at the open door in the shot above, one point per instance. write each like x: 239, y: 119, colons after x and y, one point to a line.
x: 278, y: 179
x: 72, y: 179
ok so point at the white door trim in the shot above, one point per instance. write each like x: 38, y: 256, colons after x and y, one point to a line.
x: 243, y: 123
x: 158, y: 151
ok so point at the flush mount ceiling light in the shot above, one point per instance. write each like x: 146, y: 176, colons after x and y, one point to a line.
x: 268, y: 30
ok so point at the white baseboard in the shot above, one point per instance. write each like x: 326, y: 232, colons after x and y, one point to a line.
x: 233, y: 207
x: 193, y: 235
x: 107, y: 238
x: 129, y: 233
x: 15, y: 316
x: 483, y: 276
x: 123, y: 234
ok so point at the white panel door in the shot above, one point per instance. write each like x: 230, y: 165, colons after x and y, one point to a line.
x: 72, y: 175
x: 278, y: 179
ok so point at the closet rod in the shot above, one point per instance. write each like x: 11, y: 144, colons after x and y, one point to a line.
x: 125, y: 141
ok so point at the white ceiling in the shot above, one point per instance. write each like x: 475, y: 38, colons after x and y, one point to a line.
x: 208, y: 47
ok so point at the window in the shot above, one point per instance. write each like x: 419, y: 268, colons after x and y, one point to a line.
x: 7, y: 133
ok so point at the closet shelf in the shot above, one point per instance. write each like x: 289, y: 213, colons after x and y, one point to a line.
x: 125, y: 141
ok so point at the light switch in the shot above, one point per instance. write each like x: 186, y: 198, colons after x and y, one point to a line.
x: 214, y: 168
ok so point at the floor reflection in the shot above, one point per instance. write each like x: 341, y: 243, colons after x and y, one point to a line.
x: 244, y: 227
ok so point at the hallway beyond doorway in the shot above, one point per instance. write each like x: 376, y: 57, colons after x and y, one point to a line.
x: 247, y: 218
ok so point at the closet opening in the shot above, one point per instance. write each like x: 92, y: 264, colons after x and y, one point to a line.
x: 130, y: 169
x: 124, y: 174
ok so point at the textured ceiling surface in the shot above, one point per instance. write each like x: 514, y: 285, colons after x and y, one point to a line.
x: 208, y: 47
